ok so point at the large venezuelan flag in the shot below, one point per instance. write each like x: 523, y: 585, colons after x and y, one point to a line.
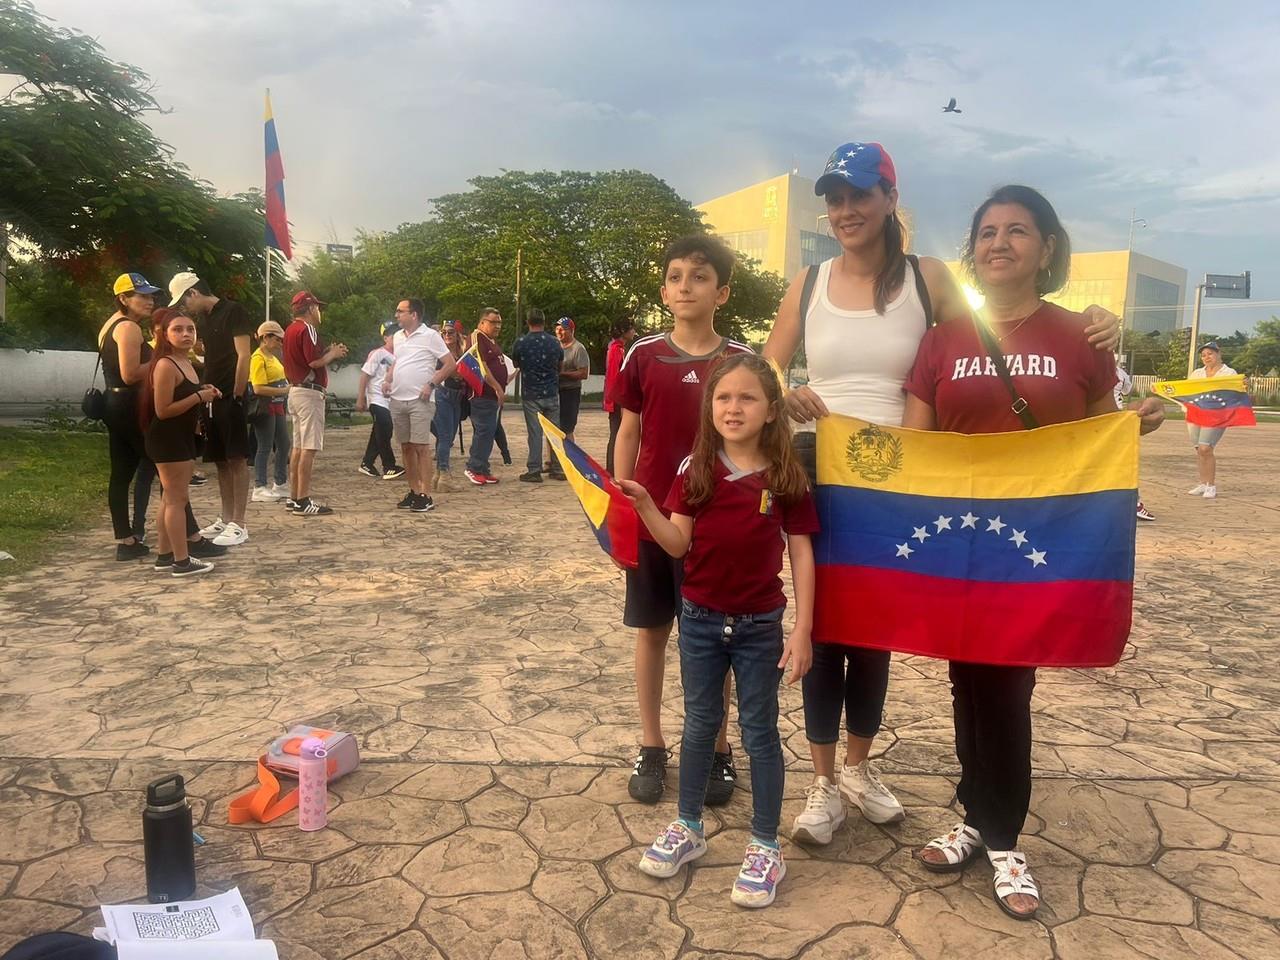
x: 471, y: 368
x: 612, y: 516
x: 277, y: 229
x: 1210, y: 401
x: 1006, y: 548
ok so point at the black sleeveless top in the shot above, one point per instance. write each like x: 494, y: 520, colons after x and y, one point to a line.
x: 110, y: 354
x: 174, y: 439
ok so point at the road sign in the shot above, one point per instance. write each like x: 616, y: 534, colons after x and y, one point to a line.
x: 1227, y: 285
x: 340, y: 251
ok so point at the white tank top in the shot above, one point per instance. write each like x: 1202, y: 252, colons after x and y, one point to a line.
x: 859, y: 359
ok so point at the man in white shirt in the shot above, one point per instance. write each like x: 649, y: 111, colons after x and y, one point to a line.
x: 422, y: 362
x: 369, y: 396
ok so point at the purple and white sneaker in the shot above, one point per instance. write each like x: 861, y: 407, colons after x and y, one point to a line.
x: 762, y: 869
x: 678, y: 845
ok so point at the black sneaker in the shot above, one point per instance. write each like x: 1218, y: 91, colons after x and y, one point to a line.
x: 533, y: 476
x: 204, y: 548
x: 290, y: 503
x: 556, y: 474
x: 722, y: 780
x: 506, y: 457
x: 309, y: 508
x: 132, y: 551
x: 407, y: 502
x: 369, y: 471
x: 198, y: 480
x: 422, y: 503
x: 650, y: 777
x: 393, y: 473
x: 190, y: 567
x: 164, y: 562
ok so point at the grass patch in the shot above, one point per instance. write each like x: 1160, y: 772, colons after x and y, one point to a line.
x: 50, y: 482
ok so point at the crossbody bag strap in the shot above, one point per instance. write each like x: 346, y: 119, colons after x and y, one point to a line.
x: 1019, y: 405
x: 922, y: 290
x: 806, y: 295
x: 106, y: 339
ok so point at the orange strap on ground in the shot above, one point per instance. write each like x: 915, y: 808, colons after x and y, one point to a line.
x: 263, y: 803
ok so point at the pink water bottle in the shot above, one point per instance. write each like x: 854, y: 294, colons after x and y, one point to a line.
x: 313, y: 785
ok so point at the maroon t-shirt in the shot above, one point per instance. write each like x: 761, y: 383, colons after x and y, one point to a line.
x: 735, y: 557
x: 491, y: 354
x: 1052, y: 364
x: 664, y: 384
x: 301, y: 349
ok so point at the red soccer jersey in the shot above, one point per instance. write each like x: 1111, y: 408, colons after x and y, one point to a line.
x: 1052, y: 364
x: 612, y: 369
x: 301, y: 348
x: 735, y: 558
x: 664, y: 384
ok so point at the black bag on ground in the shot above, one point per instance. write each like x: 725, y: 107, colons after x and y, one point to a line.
x: 60, y: 946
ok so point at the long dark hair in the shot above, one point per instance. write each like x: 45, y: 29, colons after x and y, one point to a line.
x: 785, y: 476
x: 1053, y: 277
x: 889, y: 279
x: 160, y: 321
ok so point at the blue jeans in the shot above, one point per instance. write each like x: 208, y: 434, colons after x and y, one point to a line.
x: 271, y: 430
x: 448, y: 419
x: 711, y: 644
x: 484, y: 422
x: 549, y: 407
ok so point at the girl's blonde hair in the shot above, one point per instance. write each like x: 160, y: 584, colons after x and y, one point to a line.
x: 785, y: 477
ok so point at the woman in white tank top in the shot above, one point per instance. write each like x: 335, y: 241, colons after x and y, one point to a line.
x: 864, y: 322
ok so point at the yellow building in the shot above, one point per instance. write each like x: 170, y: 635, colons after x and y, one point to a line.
x: 1148, y: 293
x: 778, y: 222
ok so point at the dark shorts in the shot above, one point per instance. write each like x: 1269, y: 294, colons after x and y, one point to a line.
x: 805, y: 446
x: 570, y: 402
x: 227, y: 432
x: 653, y: 588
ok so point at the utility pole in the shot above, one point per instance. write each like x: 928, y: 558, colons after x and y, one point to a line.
x: 519, y: 270
x: 1134, y: 220
x: 4, y: 267
x: 1195, y: 330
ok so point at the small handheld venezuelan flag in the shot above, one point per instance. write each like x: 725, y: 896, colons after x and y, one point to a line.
x: 612, y: 516
x: 471, y: 368
x: 1210, y: 401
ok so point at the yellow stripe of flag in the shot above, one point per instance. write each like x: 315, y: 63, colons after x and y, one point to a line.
x: 1084, y: 456
x: 594, y: 500
x: 1173, y: 389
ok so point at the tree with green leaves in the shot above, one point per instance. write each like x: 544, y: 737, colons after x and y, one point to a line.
x: 90, y: 191
x: 1261, y: 354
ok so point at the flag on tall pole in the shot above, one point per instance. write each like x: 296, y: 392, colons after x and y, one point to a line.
x: 277, y: 230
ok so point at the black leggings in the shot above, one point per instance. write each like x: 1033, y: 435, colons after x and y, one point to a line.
x: 992, y: 710
x: 859, y: 689
x: 379, y: 444
x: 615, y: 421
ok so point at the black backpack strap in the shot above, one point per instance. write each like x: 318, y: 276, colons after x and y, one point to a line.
x: 806, y: 296
x: 1019, y: 405
x: 922, y: 290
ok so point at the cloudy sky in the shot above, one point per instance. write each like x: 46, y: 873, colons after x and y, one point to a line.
x: 1167, y: 107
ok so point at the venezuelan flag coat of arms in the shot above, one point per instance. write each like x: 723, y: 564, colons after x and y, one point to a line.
x: 1006, y: 548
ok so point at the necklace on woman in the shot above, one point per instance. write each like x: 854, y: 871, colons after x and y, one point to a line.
x: 1018, y: 325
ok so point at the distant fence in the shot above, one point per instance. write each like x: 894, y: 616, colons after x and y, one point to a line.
x: 1264, y: 390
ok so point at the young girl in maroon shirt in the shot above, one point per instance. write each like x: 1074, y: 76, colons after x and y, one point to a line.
x: 734, y: 498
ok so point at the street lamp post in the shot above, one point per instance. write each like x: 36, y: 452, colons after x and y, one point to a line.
x: 1134, y: 221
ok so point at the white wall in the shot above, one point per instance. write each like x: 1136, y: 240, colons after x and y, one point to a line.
x: 31, y: 383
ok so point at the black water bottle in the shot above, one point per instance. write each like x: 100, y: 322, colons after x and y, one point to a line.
x: 167, y: 845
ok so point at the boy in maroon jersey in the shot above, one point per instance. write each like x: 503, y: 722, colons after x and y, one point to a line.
x: 660, y: 391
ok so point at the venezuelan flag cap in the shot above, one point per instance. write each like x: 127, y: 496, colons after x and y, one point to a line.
x: 133, y: 283
x: 861, y: 165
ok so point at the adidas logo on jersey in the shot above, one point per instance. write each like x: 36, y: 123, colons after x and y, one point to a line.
x: 691, y: 377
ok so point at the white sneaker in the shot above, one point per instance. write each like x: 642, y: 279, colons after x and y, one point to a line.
x: 262, y: 495
x: 232, y: 536
x: 1210, y: 492
x: 281, y: 493
x: 213, y: 529
x: 1198, y: 490
x: 823, y: 813
x: 860, y: 786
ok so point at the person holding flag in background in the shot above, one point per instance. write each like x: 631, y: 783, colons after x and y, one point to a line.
x: 485, y: 370
x: 1210, y: 409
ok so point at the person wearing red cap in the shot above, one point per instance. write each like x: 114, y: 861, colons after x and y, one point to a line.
x: 891, y: 299
x: 306, y: 366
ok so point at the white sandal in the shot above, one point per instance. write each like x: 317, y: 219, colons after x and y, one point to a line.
x: 1012, y: 877
x: 959, y: 846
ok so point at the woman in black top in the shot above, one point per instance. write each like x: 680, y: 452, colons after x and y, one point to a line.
x: 126, y: 358
x: 172, y: 411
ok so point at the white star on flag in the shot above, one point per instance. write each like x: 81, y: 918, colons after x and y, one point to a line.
x: 1018, y: 538
x: 904, y: 550
x: 842, y: 163
x: 942, y: 523
x: 852, y: 153
x: 1037, y: 558
x: 995, y: 526
x: 968, y: 521
x: 921, y: 534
